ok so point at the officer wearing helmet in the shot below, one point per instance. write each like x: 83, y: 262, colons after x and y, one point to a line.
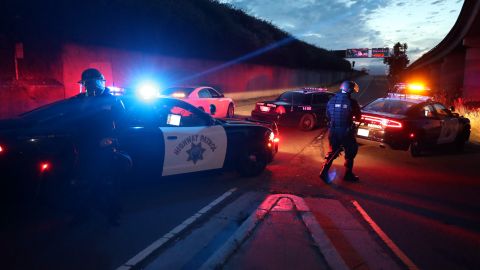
x: 341, y: 109
x: 94, y: 83
x: 98, y: 157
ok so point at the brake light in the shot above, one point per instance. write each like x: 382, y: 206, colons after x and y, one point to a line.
x: 280, y: 110
x: 384, y: 122
x: 44, y: 166
x: 1, y: 149
x: 276, y: 140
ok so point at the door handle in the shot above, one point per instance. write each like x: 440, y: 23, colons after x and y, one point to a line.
x: 171, y: 137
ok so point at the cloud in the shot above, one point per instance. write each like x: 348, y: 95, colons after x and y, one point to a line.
x: 437, y: 2
x: 401, y: 4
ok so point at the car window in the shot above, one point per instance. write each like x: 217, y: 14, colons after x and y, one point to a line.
x: 214, y: 93
x: 427, y: 111
x: 441, y: 110
x: 293, y: 97
x: 321, y: 98
x: 391, y: 106
x: 204, y: 93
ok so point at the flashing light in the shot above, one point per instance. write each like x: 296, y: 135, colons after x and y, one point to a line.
x: 280, y: 110
x: 416, y: 87
x: 178, y: 95
x: 116, y: 91
x: 1, y: 149
x: 44, y: 166
x: 148, y: 90
x: 383, y: 121
x: 412, y: 135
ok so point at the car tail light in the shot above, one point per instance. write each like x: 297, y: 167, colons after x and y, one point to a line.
x: 384, y: 122
x: 280, y: 110
x: 2, y: 149
x: 45, y: 166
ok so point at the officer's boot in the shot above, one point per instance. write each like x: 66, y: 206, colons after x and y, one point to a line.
x: 349, y: 175
x: 324, y: 173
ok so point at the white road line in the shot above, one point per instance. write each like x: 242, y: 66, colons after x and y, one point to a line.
x: 395, y: 249
x: 142, y: 255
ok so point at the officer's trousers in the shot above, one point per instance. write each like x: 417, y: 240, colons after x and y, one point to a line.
x: 342, y: 137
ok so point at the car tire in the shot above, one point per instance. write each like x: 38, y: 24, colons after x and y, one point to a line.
x: 251, y: 163
x: 307, y: 122
x: 230, y: 111
x: 415, y: 149
x: 461, y: 140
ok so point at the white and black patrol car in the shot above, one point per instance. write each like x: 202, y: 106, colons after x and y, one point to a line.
x: 164, y: 135
x: 304, y: 108
x: 411, y: 122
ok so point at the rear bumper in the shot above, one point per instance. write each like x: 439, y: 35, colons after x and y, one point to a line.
x: 386, y: 140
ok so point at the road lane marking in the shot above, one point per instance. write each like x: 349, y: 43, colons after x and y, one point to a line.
x: 393, y: 247
x: 142, y: 255
x: 320, y: 238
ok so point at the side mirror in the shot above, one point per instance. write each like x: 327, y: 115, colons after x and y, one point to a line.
x: 452, y: 108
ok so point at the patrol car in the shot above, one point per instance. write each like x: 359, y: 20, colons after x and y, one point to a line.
x: 205, y: 98
x: 411, y: 122
x: 303, y: 108
x: 163, y: 135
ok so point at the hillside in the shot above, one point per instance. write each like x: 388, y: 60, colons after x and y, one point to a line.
x: 184, y: 28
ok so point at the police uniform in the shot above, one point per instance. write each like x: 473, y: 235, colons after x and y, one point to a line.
x: 341, y: 109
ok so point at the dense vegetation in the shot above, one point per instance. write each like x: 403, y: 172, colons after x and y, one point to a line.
x: 184, y: 28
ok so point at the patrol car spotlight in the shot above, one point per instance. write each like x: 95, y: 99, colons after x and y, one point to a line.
x: 148, y: 90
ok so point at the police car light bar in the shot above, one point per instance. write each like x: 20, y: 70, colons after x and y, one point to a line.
x: 408, y: 96
x: 319, y: 89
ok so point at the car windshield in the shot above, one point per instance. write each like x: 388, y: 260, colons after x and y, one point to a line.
x: 177, y: 91
x: 65, y: 112
x: 293, y: 98
x: 391, y: 106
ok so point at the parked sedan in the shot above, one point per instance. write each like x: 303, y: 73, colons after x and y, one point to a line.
x: 304, y: 108
x: 204, y: 98
x: 166, y: 136
x: 412, y: 122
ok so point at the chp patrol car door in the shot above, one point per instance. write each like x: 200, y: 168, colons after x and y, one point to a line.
x: 449, y: 124
x: 429, y: 124
x: 192, y: 141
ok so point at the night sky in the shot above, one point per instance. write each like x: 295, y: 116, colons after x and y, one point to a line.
x: 342, y: 24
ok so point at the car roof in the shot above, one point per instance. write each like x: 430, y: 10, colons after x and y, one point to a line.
x: 310, y: 90
x: 417, y: 99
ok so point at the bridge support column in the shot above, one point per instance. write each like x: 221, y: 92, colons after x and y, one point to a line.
x: 451, y: 77
x: 471, y: 84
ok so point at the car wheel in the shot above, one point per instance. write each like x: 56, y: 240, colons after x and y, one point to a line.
x: 252, y: 164
x: 307, y: 122
x: 230, y: 111
x: 415, y: 149
x: 461, y: 141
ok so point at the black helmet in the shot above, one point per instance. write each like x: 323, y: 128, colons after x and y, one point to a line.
x: 349, y: 87
x: 91, y: 74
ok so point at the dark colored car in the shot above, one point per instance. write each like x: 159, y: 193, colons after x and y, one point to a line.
x: 303, y: 108
x: 412, y: 122
x: 165, y: 135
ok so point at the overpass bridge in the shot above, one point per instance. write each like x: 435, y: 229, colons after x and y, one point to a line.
x: 453, y: 66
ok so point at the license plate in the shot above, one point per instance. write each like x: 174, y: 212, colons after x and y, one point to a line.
x: 264, y: 108
x: 363, y: 132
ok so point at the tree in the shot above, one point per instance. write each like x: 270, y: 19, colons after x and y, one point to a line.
x: 397, y: 62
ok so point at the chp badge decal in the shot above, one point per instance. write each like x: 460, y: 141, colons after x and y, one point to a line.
x: 196, y: 151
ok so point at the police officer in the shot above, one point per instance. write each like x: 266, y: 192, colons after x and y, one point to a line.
x: 94, y: 83
x: 341, y: 109
x: 98, y: 158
